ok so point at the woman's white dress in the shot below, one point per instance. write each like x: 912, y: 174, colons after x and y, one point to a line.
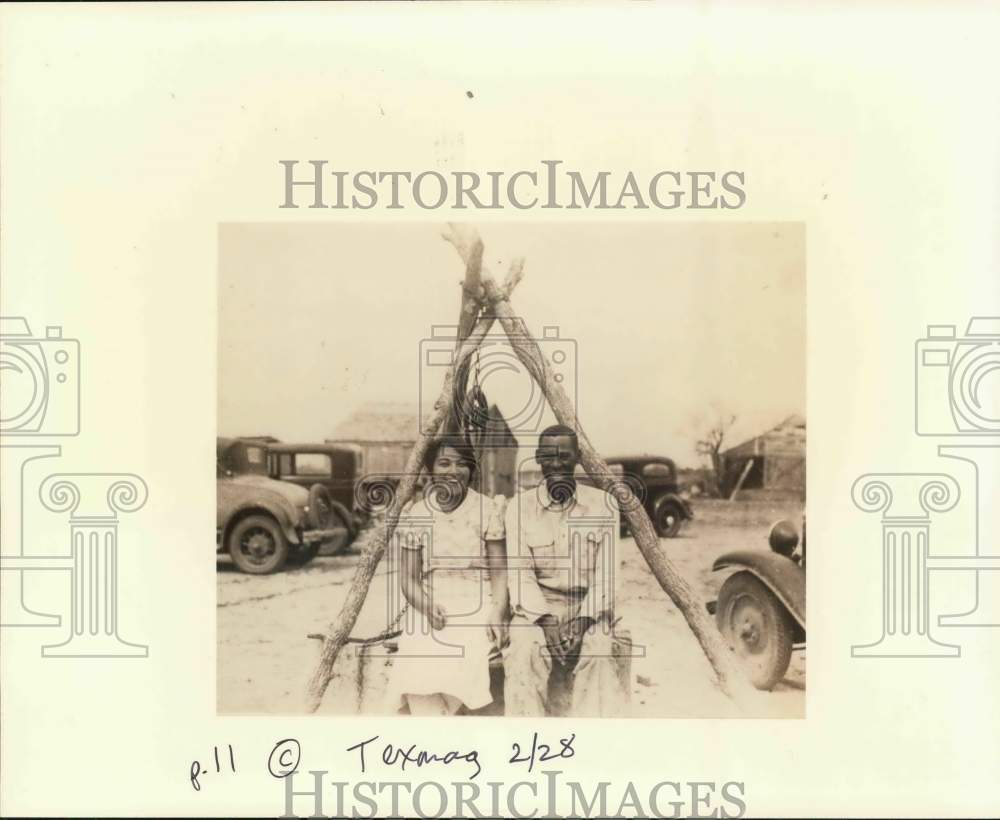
x: 453, y: 660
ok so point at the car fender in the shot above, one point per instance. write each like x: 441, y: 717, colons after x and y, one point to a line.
x: 783, y: 576
x: 673, y: 498
x: 263, y: 506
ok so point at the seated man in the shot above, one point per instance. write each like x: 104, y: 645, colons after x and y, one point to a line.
x: 561, y: 544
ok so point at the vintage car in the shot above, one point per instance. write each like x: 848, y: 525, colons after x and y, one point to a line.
x: 262, y: 522
x: 654, y: 481
x: 761, y: 609
x: 336, y: 466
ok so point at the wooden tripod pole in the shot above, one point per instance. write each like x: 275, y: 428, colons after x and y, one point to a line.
x: 731, y: 677
x: 373, y: 548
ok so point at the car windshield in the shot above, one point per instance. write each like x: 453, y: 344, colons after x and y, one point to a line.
x: 312, y: 464
x: 657, y: 469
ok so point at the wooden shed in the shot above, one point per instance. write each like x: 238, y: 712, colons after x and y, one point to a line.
x: 773, y: 463
x: 385, y: 432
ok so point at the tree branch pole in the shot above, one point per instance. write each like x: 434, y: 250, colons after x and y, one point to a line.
x: 731, y: 677
x: 472, y: 293
x: 374, y: 549
x: 468, y: 311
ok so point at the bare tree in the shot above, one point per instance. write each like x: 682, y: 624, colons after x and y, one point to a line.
x: 710, y: 444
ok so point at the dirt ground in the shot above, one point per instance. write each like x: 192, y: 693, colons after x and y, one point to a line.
x: 264, y: 656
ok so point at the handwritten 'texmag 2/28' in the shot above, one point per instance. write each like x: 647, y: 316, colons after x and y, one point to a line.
x: 393, y: 755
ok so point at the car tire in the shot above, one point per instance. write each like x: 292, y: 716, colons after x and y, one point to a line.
x: 257, y: 545
x: 669, y: 517
x: 757, y: 626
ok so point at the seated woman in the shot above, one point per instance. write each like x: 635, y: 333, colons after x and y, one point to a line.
x: 453, y: 573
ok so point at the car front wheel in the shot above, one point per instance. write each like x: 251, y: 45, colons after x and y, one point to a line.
x: 257, y: 545
x: 757, y: 627
x: 669, y: 518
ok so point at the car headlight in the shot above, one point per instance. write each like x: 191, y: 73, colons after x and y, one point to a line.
x: 783, y: 538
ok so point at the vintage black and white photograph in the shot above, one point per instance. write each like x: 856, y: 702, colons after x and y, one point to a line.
x: 543, y: 469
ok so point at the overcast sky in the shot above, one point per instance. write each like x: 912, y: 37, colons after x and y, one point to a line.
x: 672, y: 324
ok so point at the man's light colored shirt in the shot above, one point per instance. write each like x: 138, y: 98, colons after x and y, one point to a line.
x: 561, y: 557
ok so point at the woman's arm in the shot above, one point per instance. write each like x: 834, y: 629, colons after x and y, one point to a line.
x: 411, y: 580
